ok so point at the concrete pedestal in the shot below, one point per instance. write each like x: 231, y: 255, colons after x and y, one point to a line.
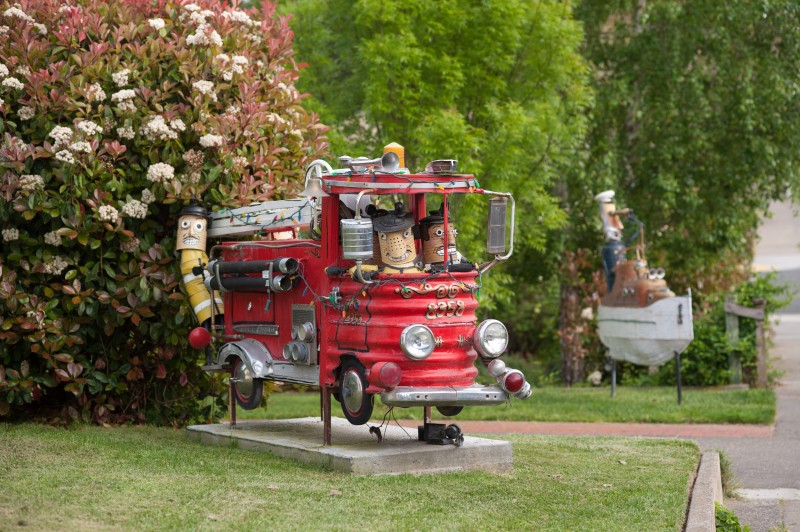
x: 354, y: 450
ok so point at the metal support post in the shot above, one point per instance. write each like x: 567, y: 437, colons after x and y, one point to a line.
x: 678, y: 376
x: 613, y: 378
x: 326, y: 415
x: 231, y: 404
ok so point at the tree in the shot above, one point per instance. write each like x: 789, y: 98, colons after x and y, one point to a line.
x: 498, y: 85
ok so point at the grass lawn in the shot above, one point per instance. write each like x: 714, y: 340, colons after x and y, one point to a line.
x: 631, y: 405
x: 154, y: 478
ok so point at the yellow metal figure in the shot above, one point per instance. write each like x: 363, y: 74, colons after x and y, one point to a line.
x: 191, y: 243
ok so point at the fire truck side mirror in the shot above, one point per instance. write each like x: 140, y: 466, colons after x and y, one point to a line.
x: 496, y: 238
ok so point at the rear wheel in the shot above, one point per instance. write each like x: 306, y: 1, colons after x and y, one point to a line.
x: 246, y: 389
x: 356, y: 402
x: 449, y: 411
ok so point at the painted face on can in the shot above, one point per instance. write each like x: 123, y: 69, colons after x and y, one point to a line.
x: 397, y: 248
x: 433, y: 245
x: 191, y: 232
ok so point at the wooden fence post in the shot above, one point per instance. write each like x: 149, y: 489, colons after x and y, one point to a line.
x: 755, y: 313
x: 761, y: 347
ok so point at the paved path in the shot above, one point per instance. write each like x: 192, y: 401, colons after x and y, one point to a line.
x: 768, y: 469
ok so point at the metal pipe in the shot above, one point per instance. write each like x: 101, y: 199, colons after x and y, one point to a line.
x: 358, y: 201
x: 283, y: 265
x: 278, y: 283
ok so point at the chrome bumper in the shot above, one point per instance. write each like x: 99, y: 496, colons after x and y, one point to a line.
x: 444, y: 396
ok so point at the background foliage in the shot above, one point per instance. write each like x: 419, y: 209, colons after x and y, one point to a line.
x: 498, y: 85
x: 694, y: 125
x: 120, y: 111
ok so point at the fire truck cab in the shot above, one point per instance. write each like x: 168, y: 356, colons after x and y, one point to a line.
x: 333, y: 309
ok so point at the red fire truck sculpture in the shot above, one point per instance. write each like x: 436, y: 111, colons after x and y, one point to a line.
x: 331, y: 310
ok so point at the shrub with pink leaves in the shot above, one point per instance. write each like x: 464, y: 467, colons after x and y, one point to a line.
x: 115, y: 113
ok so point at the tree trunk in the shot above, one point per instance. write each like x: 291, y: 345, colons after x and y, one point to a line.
x: 569, y: 332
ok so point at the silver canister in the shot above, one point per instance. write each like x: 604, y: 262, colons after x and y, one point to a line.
x: 356, y: 238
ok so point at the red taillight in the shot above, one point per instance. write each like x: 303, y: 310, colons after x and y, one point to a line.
x: 385, y: 375
x: 199, y: 338
x: 514, y: 381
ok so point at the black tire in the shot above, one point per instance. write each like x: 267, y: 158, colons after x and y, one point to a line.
x: 356, y: 402
x: 449, y: 411
x: 246, y: 389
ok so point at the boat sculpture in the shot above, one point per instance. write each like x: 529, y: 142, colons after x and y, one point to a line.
x: 640, y: 320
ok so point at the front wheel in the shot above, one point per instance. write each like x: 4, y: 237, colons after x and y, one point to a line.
x: 356, y: 402
x: 246, y: 389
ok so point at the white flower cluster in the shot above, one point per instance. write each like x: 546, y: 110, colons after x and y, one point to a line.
x: 204, y: 35
x: 156, y: 23
x: 95, y: 93
x: 157, y: 128
x: 4, y: 29
x: 135, y: 209
x: 17, y: 12
x: 256, y: 39
x: 238, y: 64
x: 148, y: 197
x: 89, y: 127
x: 81, y: 146
x: 25, y: 70
x: 191, y: 8
x: 239, y: 16
x: 52, y: 238
x: 10, y: 234
x: 13, y: 83
x: 160, y: 172
x: 62, y: 135
x: 123, y: 99
x: 41, y: 28
x: 26, y: 113
x: 56, y: 265
x: 289, y: 90
x: 2, y: 102
x: 31, y: 182
x: 125, y: 132
x: 211, y: 141
x: 130, y: 246
x: 199, y: 17
x: 3, y: 70
x: 108, y: 213
x: 65, y: 157
x: 121, y: 77
x: 64, y: 8
x: 205, y: 87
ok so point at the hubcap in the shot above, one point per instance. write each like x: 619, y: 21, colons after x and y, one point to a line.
x: 243, y: 380
x: 352, y: 391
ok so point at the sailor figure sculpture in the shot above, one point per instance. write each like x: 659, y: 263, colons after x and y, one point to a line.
x: 640, y: 319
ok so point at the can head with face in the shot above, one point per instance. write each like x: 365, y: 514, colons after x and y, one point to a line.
x: 396, y: 238
x: 432, y: 232
x: 192, y: 227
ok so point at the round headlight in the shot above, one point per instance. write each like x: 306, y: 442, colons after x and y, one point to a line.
x: 491, y: 338
x: 417, y: 342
